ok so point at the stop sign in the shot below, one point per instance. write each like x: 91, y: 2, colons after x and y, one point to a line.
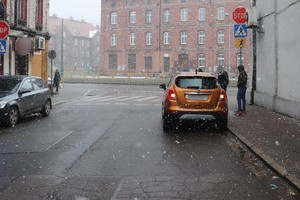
x: 4, y: 29
x: 239, y: 15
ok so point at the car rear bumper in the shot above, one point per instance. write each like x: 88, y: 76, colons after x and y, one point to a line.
x: 196, y: 116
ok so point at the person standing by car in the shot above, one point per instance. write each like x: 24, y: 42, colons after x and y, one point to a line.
x: 56, y: 79
x: 242, y: 87
x: 223, y: 78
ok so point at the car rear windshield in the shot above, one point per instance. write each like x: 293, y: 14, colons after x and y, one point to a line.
x: 196, y: 82
x: 9, y: 85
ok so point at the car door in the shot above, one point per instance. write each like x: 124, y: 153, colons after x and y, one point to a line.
x: 40, y: 91
x: 26, y: 97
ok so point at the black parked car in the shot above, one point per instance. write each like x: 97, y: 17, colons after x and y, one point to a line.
x: 21, y: 96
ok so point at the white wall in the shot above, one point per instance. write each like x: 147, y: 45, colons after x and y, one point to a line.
x: 278, y: 69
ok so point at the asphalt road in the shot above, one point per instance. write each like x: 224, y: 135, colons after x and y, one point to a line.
x: 109, y: 144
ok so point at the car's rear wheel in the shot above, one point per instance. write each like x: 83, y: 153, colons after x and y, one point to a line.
x: 13, y: 116
x: 47, y: 108
x: 166, y: 124
x: 222, y: 123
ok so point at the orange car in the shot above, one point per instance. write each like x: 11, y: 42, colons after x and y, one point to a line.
x: 194, y: 96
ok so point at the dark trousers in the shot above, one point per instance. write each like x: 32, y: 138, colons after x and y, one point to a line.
x: 56, y: 85
x: 241, y: 98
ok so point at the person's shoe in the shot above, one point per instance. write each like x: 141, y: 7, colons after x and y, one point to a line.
x: 238, y: 113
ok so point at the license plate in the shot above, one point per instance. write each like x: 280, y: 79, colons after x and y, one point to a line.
x: 196, y: 97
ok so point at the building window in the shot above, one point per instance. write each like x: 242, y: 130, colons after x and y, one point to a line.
x: 183, y: 37
x: 166, y: 38
x: 132, y: 2
x: 113, y: 40
x: 202, y: 14
x: 131, y: 61
x: 166, y: 15
x: 148, y: 62
x: 220, y: 59
x: 21, y: 12
x: 132, y: 17
x: 39, y: 15
x: 184, y: 14
x: 82, y: 42
x: 76, y: 42
x: 201, y: 37
x: 113, y: 18
x: 132, y: 39
x: 201, y: 60
x: 220, y: 36
x: 113, y: 4
x: 149, y: 16
x: 148, y: 38
x: 183, y: 1
x: 221, y: 13
x: 112, y: 61
x: 240, y: 59
x: 149, y: 2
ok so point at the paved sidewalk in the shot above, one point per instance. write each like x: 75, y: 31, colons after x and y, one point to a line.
x: 275, y: 138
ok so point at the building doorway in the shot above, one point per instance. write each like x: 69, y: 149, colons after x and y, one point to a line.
x: 166, y: 64
x: 21, y: 64
x: 1, y: 64
x: 183, y: 62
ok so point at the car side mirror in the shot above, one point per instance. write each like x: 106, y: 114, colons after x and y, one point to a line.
x: 24, y: 90
x: 163, y: 86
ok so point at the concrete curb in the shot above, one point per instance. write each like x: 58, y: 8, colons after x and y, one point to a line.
x: 292, y: 179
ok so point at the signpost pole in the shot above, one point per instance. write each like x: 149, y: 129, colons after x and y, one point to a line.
x: 241, y: 56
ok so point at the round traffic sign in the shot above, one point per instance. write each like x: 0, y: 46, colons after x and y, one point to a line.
x: 4, y: 29
x: 239, y: 15
x: 52, y: 54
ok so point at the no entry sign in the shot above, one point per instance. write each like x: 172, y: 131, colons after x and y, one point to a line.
x: 4, y: 29
x: 239, y: 15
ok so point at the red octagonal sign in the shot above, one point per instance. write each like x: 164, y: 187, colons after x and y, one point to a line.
x: 4, y: 29
x: 239, y: 15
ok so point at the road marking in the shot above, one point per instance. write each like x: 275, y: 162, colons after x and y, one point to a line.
x: 146, y: 98
x: 130, y: 98
x: 97, y: 98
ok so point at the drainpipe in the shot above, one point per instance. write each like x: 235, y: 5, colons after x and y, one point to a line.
x: 276, y: 53
x: 254, y: 62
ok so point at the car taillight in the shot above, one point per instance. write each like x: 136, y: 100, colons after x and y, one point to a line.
x: 171, y: 94
x: 223, y: 95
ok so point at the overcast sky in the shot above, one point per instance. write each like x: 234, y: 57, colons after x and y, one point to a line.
x: 89, y: 10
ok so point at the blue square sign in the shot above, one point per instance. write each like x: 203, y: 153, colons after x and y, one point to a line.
x: 240, y: 30
x: 2, y: 46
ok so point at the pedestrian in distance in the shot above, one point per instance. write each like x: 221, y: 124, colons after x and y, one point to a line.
x: 241, y: 93
x: 56, y: 79
x: 223, y: 78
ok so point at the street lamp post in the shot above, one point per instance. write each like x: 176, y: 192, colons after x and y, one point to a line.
x: 229, y: 45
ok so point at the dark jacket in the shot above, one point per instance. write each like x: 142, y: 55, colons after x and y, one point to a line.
x: 242, y: 79
x: 223, y: 79
x: 56, y: 79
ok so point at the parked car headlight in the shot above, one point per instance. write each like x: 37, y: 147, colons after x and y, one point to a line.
x: 2, y: 104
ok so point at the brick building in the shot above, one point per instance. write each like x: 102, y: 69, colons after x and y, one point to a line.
x: 26, y: 46
x: 170, y: 35
x: 77, y: 44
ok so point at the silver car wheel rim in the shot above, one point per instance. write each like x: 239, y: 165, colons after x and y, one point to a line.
x: 13, y: 117
x: 47, y: 107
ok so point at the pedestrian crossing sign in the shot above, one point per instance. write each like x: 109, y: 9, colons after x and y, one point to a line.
x: 240, y: 42
x: 240, y: 30
x: 2, y: 46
